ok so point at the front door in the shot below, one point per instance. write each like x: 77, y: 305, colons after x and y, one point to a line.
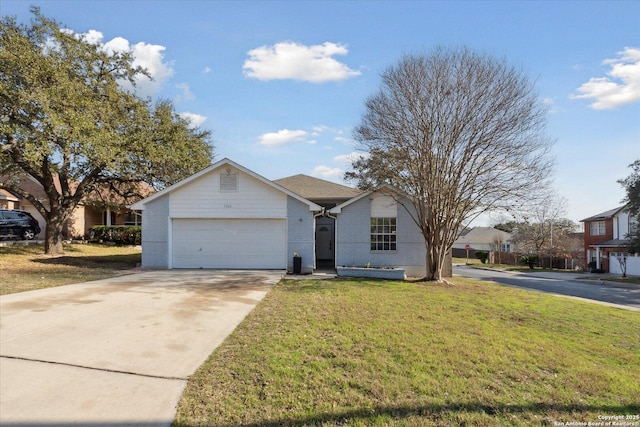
x: 324, y: 238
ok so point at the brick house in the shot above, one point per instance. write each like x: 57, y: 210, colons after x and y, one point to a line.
x: 92, y: 211
x: 605, y: 239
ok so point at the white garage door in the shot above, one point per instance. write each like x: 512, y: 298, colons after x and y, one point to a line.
x: 229, y: 243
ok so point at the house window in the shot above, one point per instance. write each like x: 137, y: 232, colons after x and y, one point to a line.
x: 597, y: 228
x: 228, y: 181
x: 505, y: 247
x: 132, y: 218
x: 383, y: 234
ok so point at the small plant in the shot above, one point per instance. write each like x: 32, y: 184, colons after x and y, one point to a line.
x: 368, y: 265
x: 594, y: 269
x: 530, y: 260
x: 482, y: 256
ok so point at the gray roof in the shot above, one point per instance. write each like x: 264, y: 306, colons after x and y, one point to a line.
x: 483, y: 235
x: 612, y: 243
x: 604, y: 215
x: 316, y: 189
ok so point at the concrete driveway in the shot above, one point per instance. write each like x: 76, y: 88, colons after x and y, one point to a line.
x: 116, y: 351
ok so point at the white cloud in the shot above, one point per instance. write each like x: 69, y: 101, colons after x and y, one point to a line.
x: 151, y: 58
x: 343, y: 161
x: 117, y: 44
x: 289, y: 60
x: 206, y: 70
x: 327, y: 172
x: 93, y: 36
x: 186, y: 94
x: 147, y: 56
x: 622, y: 86
x: 281, y: 137
x: 550, y: 104
x: 195, y: 120
x: 347, y: 159
x: 317, y: 130
x: 343, y: 140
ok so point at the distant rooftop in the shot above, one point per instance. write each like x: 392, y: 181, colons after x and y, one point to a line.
x: 483, y: 235
x: 604, y: 215
x: 316, y: 189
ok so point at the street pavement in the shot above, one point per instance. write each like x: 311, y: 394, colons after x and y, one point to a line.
x: 117, y: 351
x: 578, y: 285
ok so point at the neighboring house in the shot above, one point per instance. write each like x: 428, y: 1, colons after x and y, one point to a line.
x: 605, y: 238
x: 227, y: 216
x: 89, y: 213
x: 8, y: 200
x: 482, y: 239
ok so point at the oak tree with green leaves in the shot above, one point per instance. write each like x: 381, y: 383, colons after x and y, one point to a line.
x: 66, y: 121
x: 457, y: 133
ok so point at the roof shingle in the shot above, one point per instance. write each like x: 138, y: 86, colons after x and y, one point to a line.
x: 316, y: 189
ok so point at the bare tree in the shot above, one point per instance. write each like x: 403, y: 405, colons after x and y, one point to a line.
x: 622, y: 260
x: 541, y: 225
x: 459, y: 133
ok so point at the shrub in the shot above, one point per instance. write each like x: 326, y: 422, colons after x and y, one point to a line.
x: 482, y: 256
x: 118, y: 234
x: 593, y: 269
x: 530, y: 260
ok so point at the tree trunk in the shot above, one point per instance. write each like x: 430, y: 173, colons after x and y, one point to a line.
x: 433, y: 263
x: 53, y: 236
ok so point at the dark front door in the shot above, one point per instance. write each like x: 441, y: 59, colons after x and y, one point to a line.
x: 324, y: 239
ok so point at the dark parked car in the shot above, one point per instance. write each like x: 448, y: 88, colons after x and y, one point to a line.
x: 18, y: 225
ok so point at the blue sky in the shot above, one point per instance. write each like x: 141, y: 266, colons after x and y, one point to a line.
x: 282, y: 84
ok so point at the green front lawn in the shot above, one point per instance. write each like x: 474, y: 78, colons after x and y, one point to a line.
x: 360, y: 353
x: 26, y: 268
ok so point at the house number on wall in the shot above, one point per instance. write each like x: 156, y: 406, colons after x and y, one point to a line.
x: 227, y: 206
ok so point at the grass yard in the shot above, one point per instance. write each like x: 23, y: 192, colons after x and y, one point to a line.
x: 25, y: 268
x: 377, y: 353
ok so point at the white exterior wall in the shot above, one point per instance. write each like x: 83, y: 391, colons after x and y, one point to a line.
x: 155, y: 234
x: 621, y: 225
x: 203, y: 198
x: 633, y: 265
x: 353, y: 239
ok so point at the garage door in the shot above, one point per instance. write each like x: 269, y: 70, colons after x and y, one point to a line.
x: 229, y: 243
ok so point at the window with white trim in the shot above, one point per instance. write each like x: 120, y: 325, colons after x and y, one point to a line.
x: 597, y: 228
x: 383, y: 234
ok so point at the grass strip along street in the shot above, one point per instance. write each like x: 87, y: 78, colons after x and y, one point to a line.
x: 353, y: 352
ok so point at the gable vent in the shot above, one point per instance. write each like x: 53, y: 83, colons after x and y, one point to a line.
x: 229, y: 180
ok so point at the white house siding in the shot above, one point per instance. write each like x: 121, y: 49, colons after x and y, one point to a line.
x: 203, y: 198
x: 155, y: 235
x: 300, y: 234
x: 353, y: 246
x: 621, y: 225
x: 242, y: 228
